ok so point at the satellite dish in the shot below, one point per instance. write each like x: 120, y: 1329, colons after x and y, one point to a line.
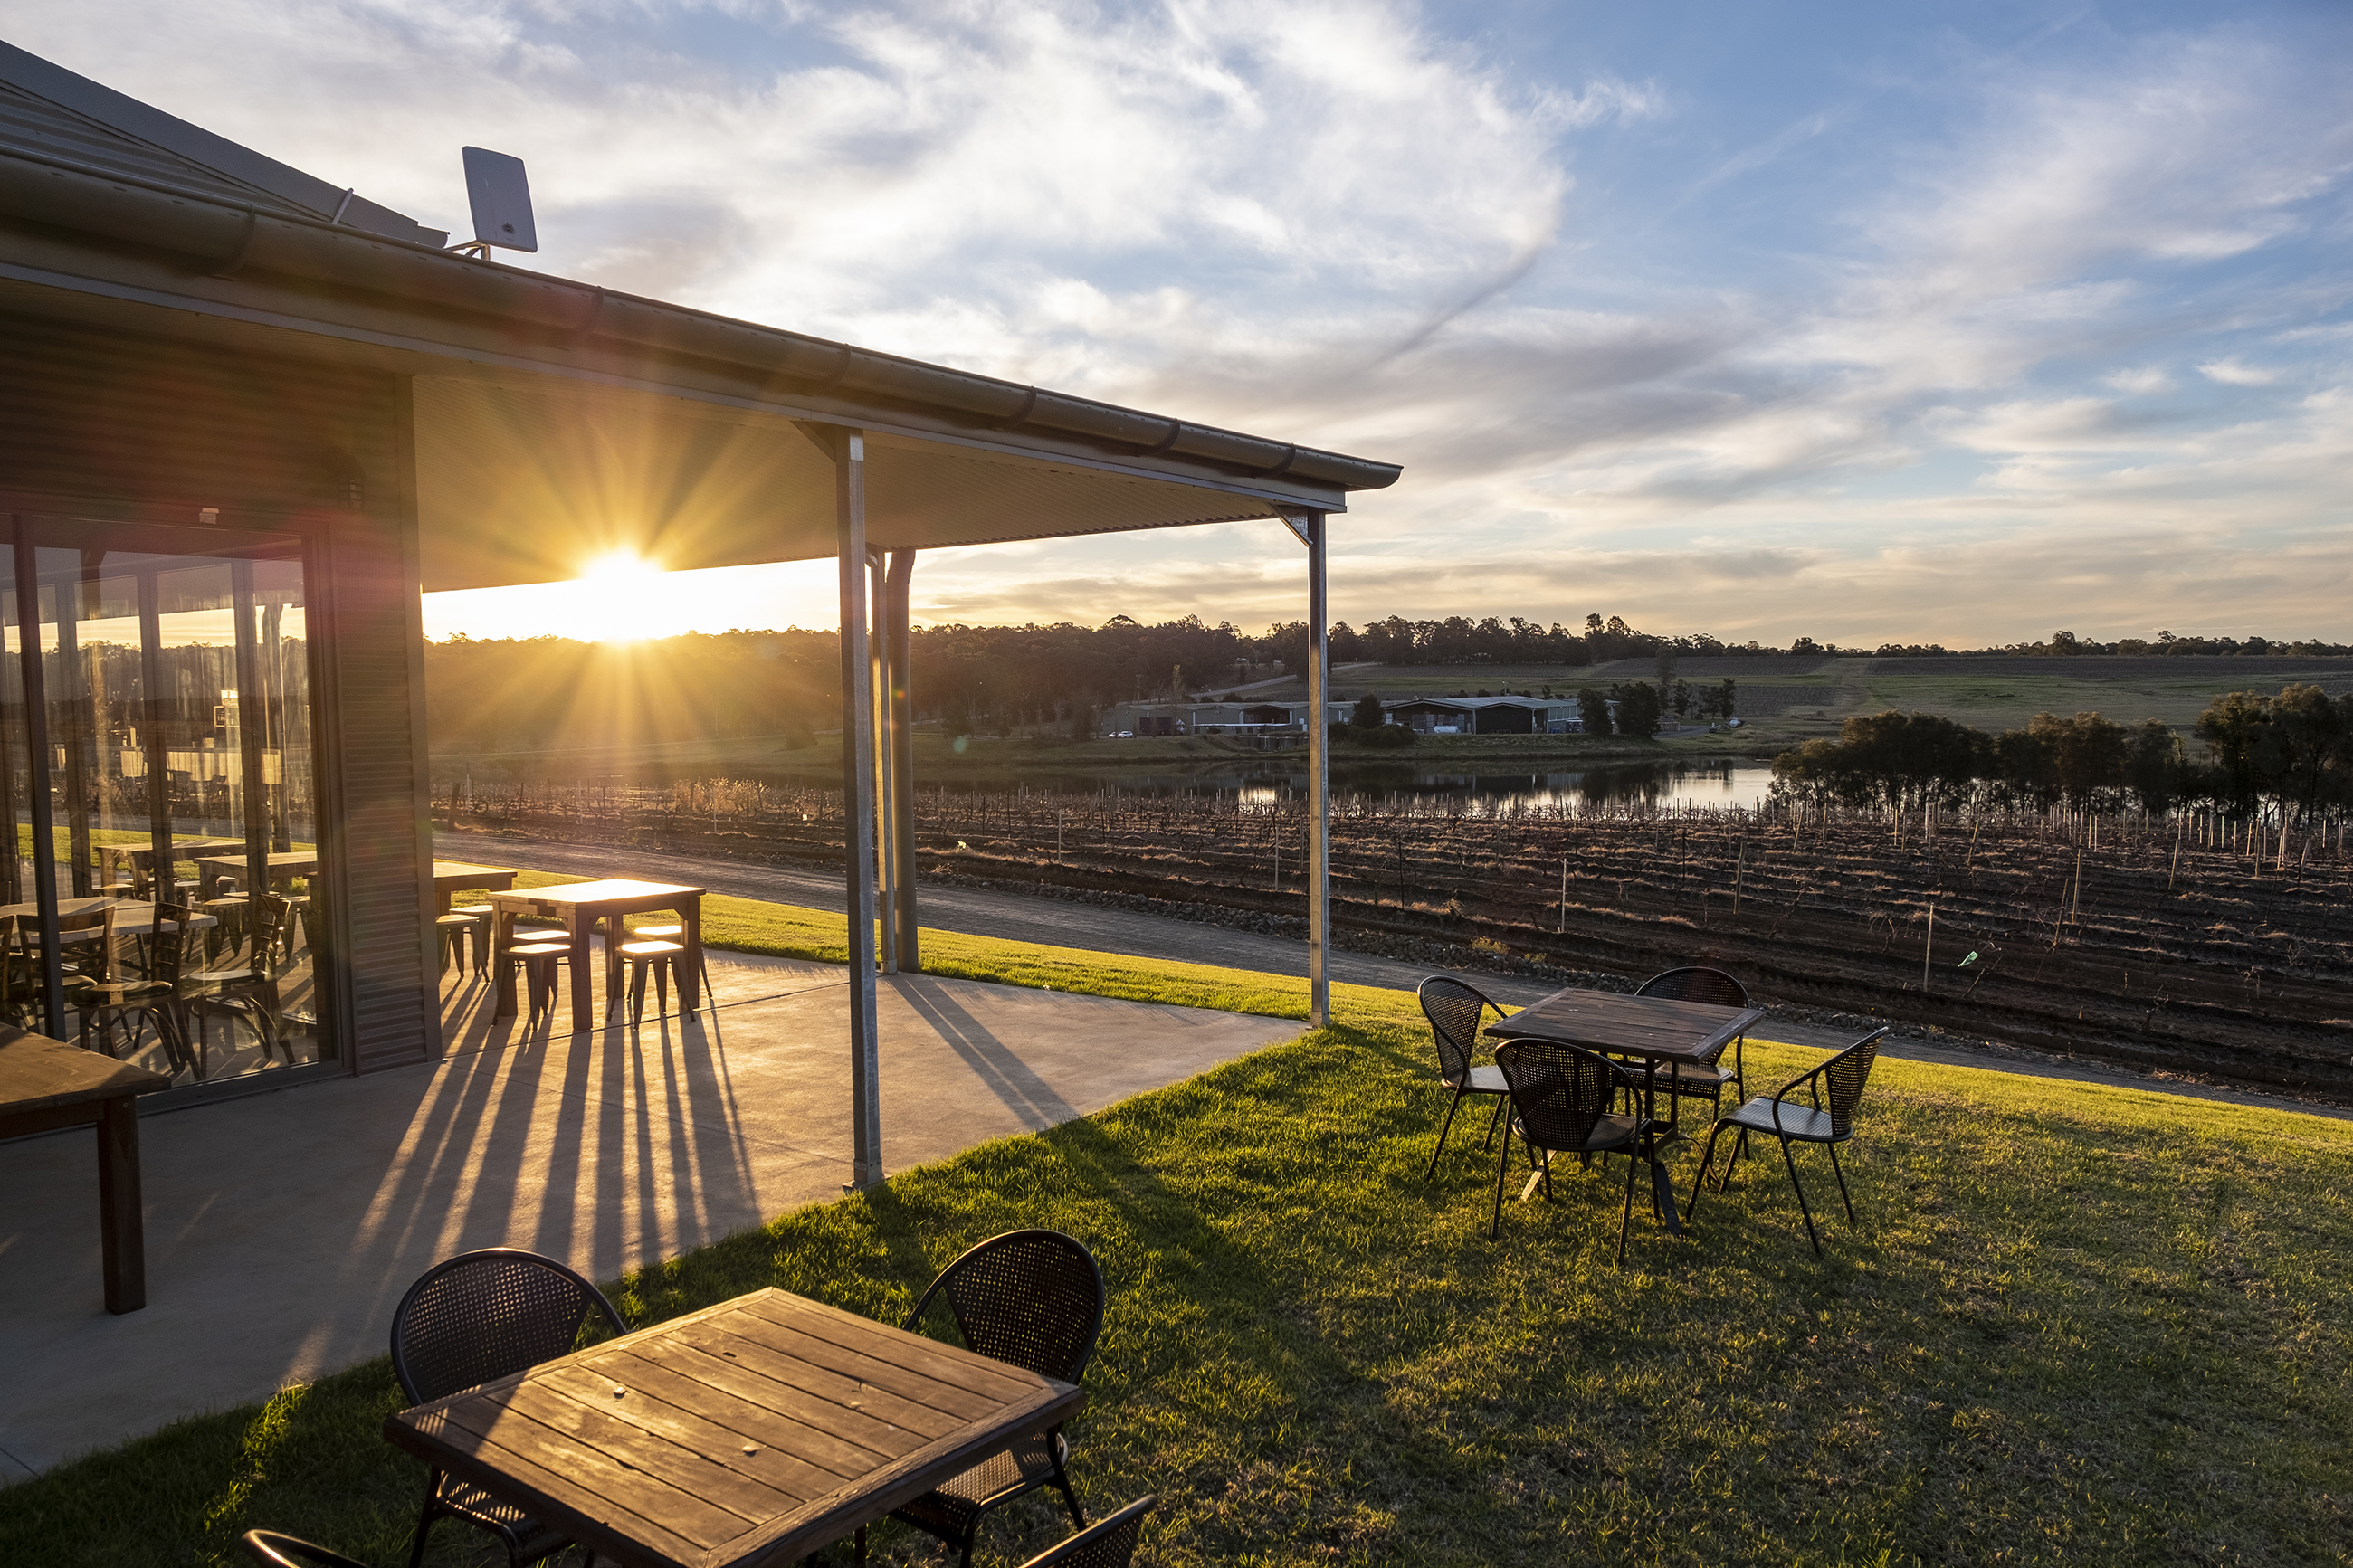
x: 501, y: 198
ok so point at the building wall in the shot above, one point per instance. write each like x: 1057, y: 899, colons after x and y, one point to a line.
x: 133, y: 428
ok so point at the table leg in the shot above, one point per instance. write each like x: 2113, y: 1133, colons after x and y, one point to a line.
x: 121, y: 1224
x: 690, y: 974
x: 1662, y: 1187
x: 582, y: 924
x: 502, y: 937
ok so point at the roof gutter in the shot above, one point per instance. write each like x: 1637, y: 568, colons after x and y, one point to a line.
x: 238, y: 239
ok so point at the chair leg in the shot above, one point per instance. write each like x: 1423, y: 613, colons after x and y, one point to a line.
x: 424, y: 1519
x: 1443, y: 1128
x: 1699, y: 1180
x: 1626, y: 1215
x: 1841, y: 1181
x: 1058, y: 1449
x: 1740, y: 1147
x: 1502, y: 1164
x: 1493, y: 1121
x: 1803, y: 1207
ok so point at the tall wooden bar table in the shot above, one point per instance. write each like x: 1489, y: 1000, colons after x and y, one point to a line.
x: 1659, y: 1030
x: 747, y: 1434
x: 583, y: 907
x: 44, y: 1085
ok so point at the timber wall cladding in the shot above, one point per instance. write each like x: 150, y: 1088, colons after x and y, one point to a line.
x: 130, y: 418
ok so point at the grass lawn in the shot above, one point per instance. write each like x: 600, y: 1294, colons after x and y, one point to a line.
x: 2079, y: 1325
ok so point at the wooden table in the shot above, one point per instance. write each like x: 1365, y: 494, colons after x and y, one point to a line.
x: 45, y: 1084
x: 284, y: 864
x: 451, y: 877
x: 583, y: 906
x: 749, y: 1433
x: 1656, y: 1029
x: 129, y: 919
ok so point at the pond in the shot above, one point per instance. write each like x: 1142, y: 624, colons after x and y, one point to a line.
x: 1720, y: 782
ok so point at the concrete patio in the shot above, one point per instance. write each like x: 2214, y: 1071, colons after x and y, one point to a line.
x: 282, y: 1228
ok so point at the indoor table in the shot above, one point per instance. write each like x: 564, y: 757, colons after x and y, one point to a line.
x: 284, y: 866
x: 1658, y: 1029
x: 46, y: 1083
x: 583, y: 906
x: 754, y: 1432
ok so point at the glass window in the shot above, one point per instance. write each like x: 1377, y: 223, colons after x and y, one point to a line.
x: 156, y: 760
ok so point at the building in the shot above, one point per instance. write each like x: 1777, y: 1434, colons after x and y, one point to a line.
x: 251, y: 416
x: 1485, y: 715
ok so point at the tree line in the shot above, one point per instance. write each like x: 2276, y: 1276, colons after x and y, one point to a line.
x: 554, y: 693
x: 2292, y: 753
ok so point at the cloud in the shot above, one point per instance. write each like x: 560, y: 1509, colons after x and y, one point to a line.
x: 2140, y: 381
x: 2232, y: 372
x: 1340, y: 224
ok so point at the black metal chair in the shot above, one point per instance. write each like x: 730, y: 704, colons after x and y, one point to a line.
x: 273, y: 1550
x: 1781, y: 1117
x: 1455, y: 1011
x: 1696, y: 983
x: 1106, y: 1543
x: 1561, y: 1097
x: 468, y: 1320
x: 1033, y: 1299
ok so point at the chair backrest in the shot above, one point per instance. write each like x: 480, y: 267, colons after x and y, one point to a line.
x: 488, y: 1314
x: 1844, y: 1075
x: 270, y: 937
x: 1696, y: 983
x: 1453, y: 1010
x: 1559, y: 1092
x: 273, y: 1550
x: 167, y: 948
x: 1108, y: 1542
x: 1033, y: 1299
x: 99, y: 920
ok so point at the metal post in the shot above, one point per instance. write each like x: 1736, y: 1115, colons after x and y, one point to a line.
x: 903, y: 759
x: 858, y: 795
x: 73, y: 726
x: 1310, y: 526
x: 886, y: 753
x: 252, y: 710
x: 40, y: 781
x: 153, y: 742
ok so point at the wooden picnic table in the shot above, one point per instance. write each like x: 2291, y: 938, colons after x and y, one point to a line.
x: 46, y: 1083
x: 583, y: 907
x: 750, y: 1432
x: 129, y: 919
x: 1658, y: 1029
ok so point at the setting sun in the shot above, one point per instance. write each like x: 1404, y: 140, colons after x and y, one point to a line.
x: 622, y: 598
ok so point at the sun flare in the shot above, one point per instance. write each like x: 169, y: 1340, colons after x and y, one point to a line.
x: 623, y: 598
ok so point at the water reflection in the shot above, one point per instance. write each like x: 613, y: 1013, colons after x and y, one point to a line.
x: 1720, y: 782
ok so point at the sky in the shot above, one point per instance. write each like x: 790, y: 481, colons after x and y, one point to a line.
x: 1864, y: 322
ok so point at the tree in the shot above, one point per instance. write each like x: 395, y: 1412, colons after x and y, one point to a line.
x: 1682, y: 697
x: 1594, y: 708
x: 2153, y: 770
x: 2086, y: 754
x: 1369, y: 713
x: 1637, y: 709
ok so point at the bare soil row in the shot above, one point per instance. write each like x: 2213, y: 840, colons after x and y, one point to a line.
x: 2184, y: 943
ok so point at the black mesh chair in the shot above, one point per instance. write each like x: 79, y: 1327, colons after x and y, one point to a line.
x: 1106, y: 1543
x: 1696, y: 983
x: 470, y: 1319
x: 272, y: 1550
x: 1561, y: 1097
x: 1780, y: 1116
x: 1033, y: 1299
x: 1455, y: 1012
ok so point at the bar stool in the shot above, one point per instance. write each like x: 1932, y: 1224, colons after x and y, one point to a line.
x: 454, y: 928
x: 677, y: 932
x: 657, y: 956
x: 486, y: 923
x: 538, y: 961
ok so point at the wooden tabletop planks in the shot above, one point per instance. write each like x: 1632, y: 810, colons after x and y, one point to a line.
x: 1654, y: 1026
x: 748, y: 1433
x: 37, y: 1073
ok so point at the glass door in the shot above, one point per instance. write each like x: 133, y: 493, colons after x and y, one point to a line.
x: 156, y: 761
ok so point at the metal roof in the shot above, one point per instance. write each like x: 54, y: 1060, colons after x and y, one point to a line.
x: 557, y: 419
